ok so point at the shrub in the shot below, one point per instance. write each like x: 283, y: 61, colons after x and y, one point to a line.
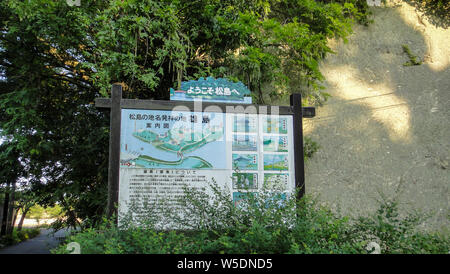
x: 19, y: 236
x: 396, y: 234
x: 310, y: 147
x: 261, y: 223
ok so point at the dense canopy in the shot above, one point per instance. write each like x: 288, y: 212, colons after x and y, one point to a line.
x: 55, y: 59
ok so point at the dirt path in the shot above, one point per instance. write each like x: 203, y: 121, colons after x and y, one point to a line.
x: 387, y: 127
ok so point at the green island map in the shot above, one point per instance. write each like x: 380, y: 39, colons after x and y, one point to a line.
x: 180, y: 141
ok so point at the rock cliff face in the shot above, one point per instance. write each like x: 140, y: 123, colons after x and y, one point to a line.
x: 385, y: 132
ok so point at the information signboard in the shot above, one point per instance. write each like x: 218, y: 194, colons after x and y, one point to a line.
x: 157, y: 149
x: 161, y: 152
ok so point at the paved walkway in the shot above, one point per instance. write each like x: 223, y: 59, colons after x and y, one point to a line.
x: 38, y: 245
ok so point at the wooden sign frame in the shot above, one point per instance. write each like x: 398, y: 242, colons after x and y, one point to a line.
x: 116, y: 104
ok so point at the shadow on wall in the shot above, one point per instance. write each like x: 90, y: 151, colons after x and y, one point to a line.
x: 386, y: 129
x: 437, y: 11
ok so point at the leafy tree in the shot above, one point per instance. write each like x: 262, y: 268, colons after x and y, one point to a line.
x: 56, y: 59
x: 37, y: 212
x: 45, y: 105
x: 25, y: 200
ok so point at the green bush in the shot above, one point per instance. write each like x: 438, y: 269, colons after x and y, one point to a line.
x: 310, y: 147
x: 19, y: 236
x: 396, y: 234
x: 261, y: 223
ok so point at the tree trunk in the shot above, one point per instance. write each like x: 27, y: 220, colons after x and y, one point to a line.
x: 5, y: 212
x: 22, y: 218
x: 15, y: 217
x: 260, y: 93
x: 10, y: 223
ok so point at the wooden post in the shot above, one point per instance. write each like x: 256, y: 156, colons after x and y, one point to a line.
x: 296, y: 104
x: 114, y: 150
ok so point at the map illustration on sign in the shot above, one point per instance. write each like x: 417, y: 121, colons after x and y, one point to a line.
x: 275, y: 143
x: 175, y: 140
x: 276, y: 162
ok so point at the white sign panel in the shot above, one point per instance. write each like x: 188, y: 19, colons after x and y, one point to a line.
x: 162, y: 152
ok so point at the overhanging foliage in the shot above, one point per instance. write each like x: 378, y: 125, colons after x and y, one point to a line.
x: 56, y: 59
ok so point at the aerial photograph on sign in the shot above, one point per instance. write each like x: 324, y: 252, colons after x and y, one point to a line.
x: 245, y: 180
x: 245, y: 161
x: 245, y: 123
x: 239, y: 197
x: 166, y: 139
x: 276, y: 180
x: 244, y: 142
x: 275, y: 125
x: 276, y: 162
x: 275, y: 143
